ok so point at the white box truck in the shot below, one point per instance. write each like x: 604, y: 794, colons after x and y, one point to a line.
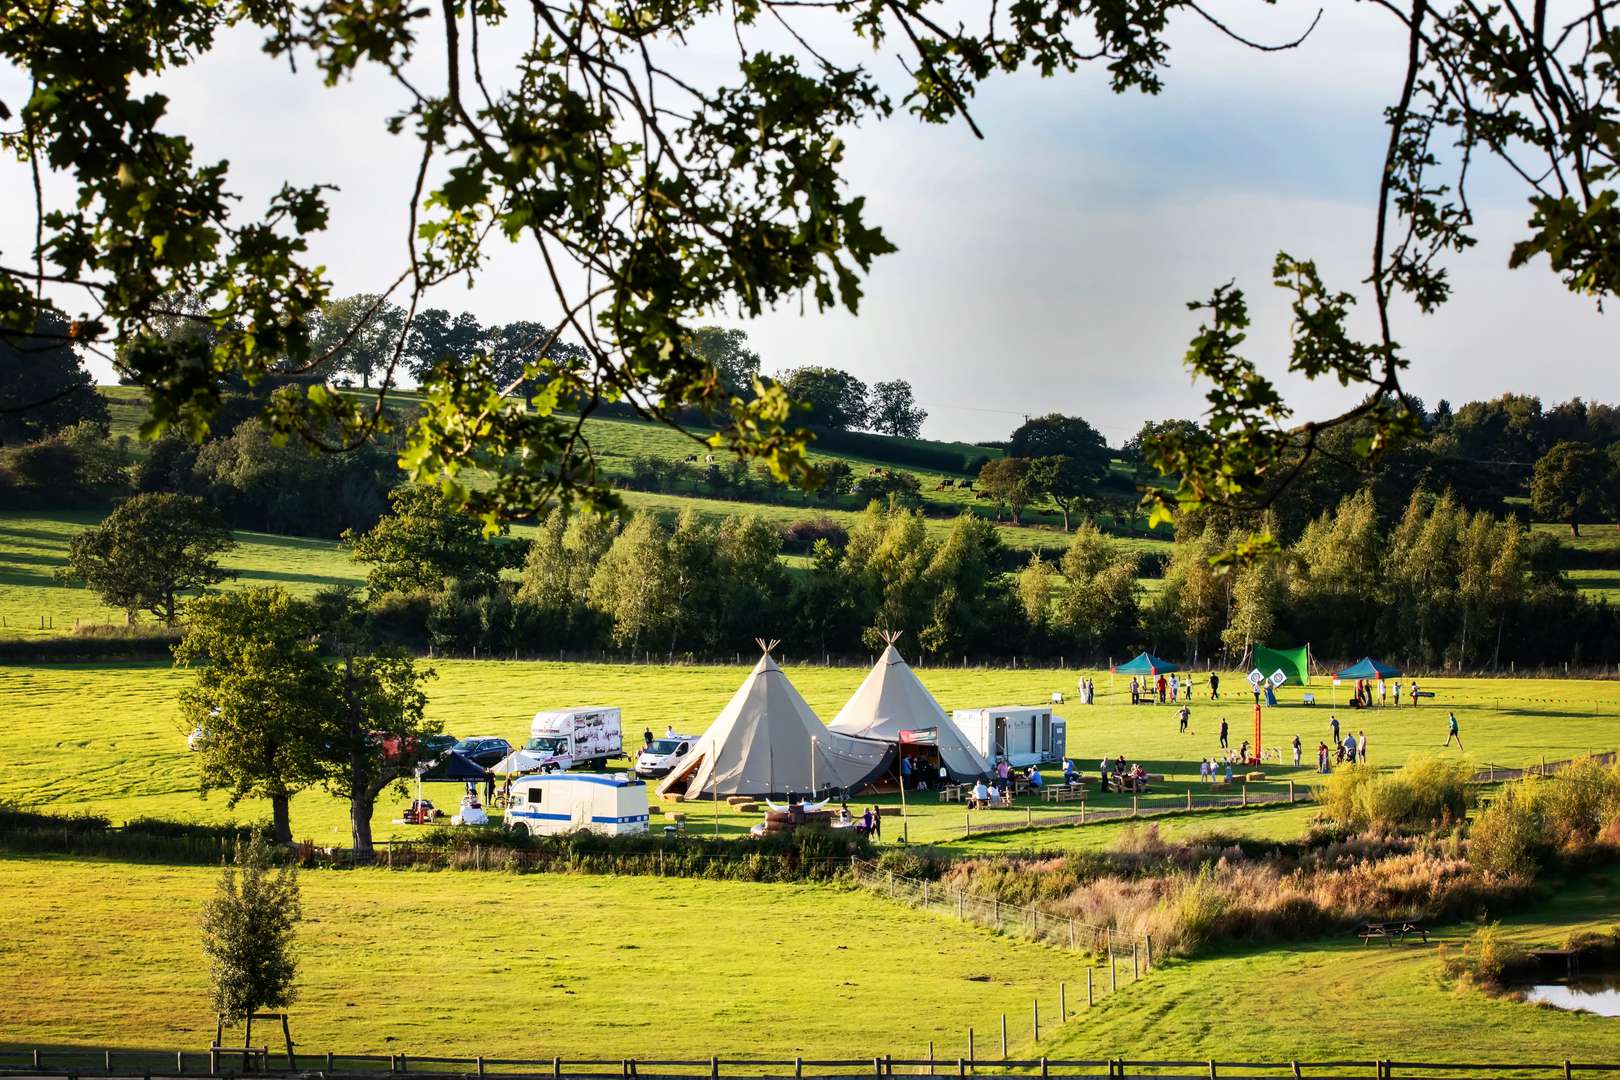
x: 568, y: 802
x: 586, y: 736
x: 1023, y: 734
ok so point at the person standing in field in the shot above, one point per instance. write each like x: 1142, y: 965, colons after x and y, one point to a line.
x: 1334, y: 725
x: 1383, y: 692
x: 1296, y: 751
x: 1397, y: 693
x: 1361, y: 747
x: 1136, y: 691
x: 1161, y: 689
x: 1186, y: 714
x: 1214, y: 687
x: 1223, y: 733
x: 1452, y: 732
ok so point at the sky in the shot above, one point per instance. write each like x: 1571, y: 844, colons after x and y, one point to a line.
x: 1045, y: 268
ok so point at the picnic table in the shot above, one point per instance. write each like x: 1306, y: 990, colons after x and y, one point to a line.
x: 954, y: 792
x: 1064, y: 792
x: 1393, y: 931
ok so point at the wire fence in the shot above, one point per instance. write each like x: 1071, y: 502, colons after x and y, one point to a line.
x: 1494, y: 774
x: 230, y: 1063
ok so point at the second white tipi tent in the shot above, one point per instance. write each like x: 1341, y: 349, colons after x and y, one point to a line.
x: 891, y: 700
x: 767, y: 742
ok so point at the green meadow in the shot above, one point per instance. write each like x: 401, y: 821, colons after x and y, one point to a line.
x: 99, y: 953
x: 106, y: 737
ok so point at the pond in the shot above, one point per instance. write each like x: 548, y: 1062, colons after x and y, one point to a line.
x: 1594, y: 992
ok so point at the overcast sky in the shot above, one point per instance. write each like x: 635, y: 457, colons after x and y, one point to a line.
x: 1044, y: 268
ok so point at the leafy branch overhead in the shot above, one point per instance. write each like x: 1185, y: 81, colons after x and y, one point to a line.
x: 653, y: 201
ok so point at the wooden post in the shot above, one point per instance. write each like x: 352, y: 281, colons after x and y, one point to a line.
x: 1136, y: 969
x: 180, y: 1062
x: 1133, y: 806
x: 930, y: 1057
x: 1293, y: 1069
x: 1211, y: 1069
x: 1246, y: 794
x: 798, y: 1067
x: 213, y: 1058
x: 1290, y: 793
x: 1113, y: 974
x: 480, y: 1064
x: 1003, y: 1036
x: 970, y: 1044
x: 556, y: 1067
x: 1071, y: 933
x: 286, y: 1033
x: 1189, y: 798
x: 1035, y: 1020
x: 1090, y: 997
x: 329, y: 1061
x: 403, y: 1065
x: 1148, y: 940
x: 1063, y: 1004
x: 36, y: 1059
x: 109, y: 1061
x: 1567, y: 1070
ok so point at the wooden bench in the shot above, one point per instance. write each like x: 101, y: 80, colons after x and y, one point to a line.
x: 1394, y: 931
x: 954, y: 792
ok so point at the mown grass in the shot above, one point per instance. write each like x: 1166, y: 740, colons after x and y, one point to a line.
x: 105, y: 737
x: 466, y: 964
x: 33, y: 546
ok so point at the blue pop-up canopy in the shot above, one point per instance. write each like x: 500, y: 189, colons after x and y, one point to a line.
x: 1368, y: 668
x: 1145, y: 664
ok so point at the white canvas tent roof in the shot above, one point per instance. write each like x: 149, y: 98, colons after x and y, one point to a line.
x: 517, y: 763
x: 892, y: 699
x: 766, y: 741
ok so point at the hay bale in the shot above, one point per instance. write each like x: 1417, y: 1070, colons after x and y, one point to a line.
x: 1220, y: 785
x: 738, y: 800
x: 1255, y: 777
x: 677, y: 816
x: 747, y: 807
x: 656, y: 811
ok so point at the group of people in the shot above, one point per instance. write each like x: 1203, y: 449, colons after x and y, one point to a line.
x: 1168, y: 689
x: 915, y: 771
x: 1117, y: 776
x: 1209, y: 770
x: 870, y: 823
x: 1369, y: 690
x: 1087, y: 688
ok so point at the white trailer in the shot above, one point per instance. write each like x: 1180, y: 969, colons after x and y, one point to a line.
x: 1023, y: 734
x: 588, y: 735
x: 568, y: 802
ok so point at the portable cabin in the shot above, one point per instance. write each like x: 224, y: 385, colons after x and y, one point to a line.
x: 568, y: 802
x: 1023, y: 734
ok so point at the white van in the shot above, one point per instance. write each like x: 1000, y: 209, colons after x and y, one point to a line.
x: 568, y: 737
x: 1023, y: 734
x: 662, y: 755
x: 567, y: 802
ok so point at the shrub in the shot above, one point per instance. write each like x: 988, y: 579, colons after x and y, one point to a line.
x: 1424, y: 792
x: 1488, y: 957
x: 1504, y: 838
x: 806, y: 532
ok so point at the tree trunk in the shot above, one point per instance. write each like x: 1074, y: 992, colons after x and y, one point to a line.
x: 281, y: 818
x: 360, y: 827
x: 1574, y: 528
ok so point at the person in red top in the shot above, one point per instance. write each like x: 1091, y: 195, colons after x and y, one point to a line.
x: 1161, y: 689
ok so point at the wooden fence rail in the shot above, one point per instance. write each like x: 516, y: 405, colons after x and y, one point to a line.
x: 223, y: 1064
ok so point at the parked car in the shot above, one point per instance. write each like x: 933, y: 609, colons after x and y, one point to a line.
x: 486, y: 750
x: 426, y: 748
x: 662, y: 755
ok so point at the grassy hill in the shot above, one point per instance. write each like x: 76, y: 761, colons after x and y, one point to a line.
x: 619, y: 442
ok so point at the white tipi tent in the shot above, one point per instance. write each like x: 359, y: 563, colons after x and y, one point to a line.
x: 767, y: 742
x: 892, y: 699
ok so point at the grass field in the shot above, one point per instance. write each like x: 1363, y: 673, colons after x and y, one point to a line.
x: 1338, y: 999
x: 469, y: 963
x: 105, y: 737
x: 32, y: 546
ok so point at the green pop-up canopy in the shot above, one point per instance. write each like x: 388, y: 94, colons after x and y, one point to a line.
x: 1145, y: 664
x: 1294, y: 663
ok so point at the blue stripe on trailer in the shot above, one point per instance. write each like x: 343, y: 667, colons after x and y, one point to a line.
x: 581, y: 778
x: 631, y: 820
x: 538, y: 816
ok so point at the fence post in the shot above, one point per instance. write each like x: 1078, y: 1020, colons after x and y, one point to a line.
x: 1567, y: 1070
x: 1133, y: 806
x: 329, y: 1061
x: 1071, y: 933
x: 1003, y: 1036
x: 1148, y: 940
x: 36, y: 1059
x: 1090, y: 999
x: 1211, y: 1069
x: 1293, y: 1069
x: 1113, y: 973
x: 1245, y: 794
x: 556, y: 1067
x: 480, y: 1064
x: 1035, y: 1020
x: 714, y: 1068
x: 213, y: 1059
x: 877, y: 1066
x: 798, y: 1067
x: 930, y: 1057
x: 1290, y: 793
x: 1063, y: 1004
x: 970, y: 1044
x: 180, y: 1061
x: 1189, y: 798
x: 960, y: 914
x: 109, y: 1061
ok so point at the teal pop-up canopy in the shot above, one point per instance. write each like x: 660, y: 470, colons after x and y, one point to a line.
x: 1145, y: 664
x: 1368, y: 668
